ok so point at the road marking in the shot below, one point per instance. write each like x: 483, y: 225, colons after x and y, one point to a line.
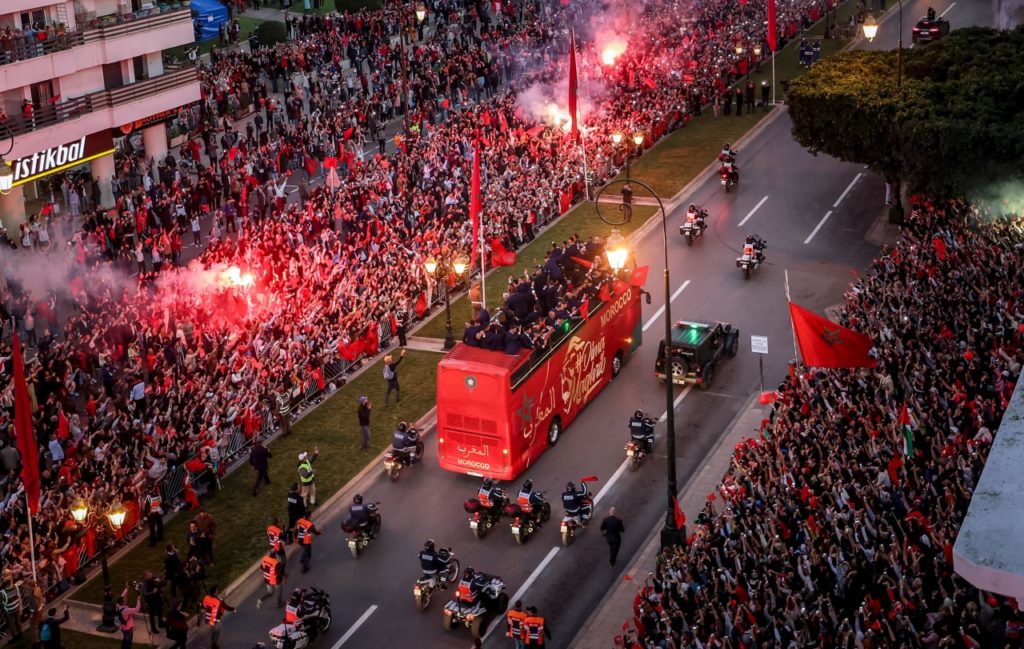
x: 615, y: 476
x: 661, y: 309
x: 820, y: 223
x: 355, y: 627
x: 751, y: 212
x: 675, y: 404
x: 522, y: 589
x: 947, y: 10
x: 847, y: 190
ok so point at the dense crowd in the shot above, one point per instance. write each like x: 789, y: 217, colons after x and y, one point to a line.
x: 831, y: 530
x: 132, y: 378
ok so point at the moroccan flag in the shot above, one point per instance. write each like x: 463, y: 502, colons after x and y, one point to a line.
x: 474, y: 201
x: 649, y: 82
x: 583, y: 262
x: 940, y: 248
x: 63, y: 429
x: 604, y: 293
x: 772, y: 27
x: 421, y: 305
x: 908, y: 435
x: 639, y: 276
x: 585, y: 309
x: 500, y: 255
x: 680, y: 516
x: 823, y: 343
x: 502, y: 122
x: 536, y: 130
x: 573, y: 85
x: 27, y: 445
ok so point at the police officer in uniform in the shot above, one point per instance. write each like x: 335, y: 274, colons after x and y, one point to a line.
x: 11, y: 596
x: 154, y: 515
x: 273, y: 577
x: 642, y: 430
x: 534, y: 629
x: 296, y: 508
x: 514, y: 620
x: 213, y: 612
x: 304, y: 533
x: 400, y: 318
x: 307, y: 477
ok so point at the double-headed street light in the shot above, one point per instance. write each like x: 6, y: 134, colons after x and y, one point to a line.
x: 638, y: 139
x: 870, y: 31
x: 114, y: 516
x: 440, y: 268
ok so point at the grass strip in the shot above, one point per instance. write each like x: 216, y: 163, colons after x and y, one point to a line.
x: 247, y: 27
x: 78, y: 640
x: 241, y: 518
x: 327, y: 6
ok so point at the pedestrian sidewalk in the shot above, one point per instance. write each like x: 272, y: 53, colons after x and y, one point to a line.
x: 617, y: 606
x: 85, y: 617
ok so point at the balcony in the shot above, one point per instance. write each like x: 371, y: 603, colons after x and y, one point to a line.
x: 97, y: 41
x: 94, y: 112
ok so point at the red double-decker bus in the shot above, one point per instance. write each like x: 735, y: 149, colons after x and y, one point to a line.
x: 496, y: 413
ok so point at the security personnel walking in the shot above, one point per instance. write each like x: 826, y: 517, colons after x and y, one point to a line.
x: 514, y: 619
x: 296, y: 508
x: 275, y: 540
x: 304, y: 533
x: 534, y: 630
x: 307, y: 477
x: 153, y: 505
x: 213, y: 611
x: 273, y: 577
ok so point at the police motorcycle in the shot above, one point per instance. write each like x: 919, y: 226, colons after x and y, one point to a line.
x: 752, y: 256
x: 527, y: 517
x: 579, y: 507
x: 486, y: 509
x: 479, y: 599
x: 729, y: 172
x: 444, y: 570
x: 361, y: 534
x: 694, y: 224
x: 315, y: 620
x: 641, y: 439
x: 406, y: 449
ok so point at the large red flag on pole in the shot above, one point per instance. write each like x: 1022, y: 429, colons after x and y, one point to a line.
x: 27, y: 445
x: 824, y: 343
x: 772, y: 27
x: 474, y: 198
x: 573, y: 85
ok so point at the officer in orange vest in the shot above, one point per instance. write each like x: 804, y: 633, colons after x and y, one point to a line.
x: 153, y: 505
x: 514, y: 619
x: 213, y: 609
x: 275, y: 539
x: 273, y: 577
x: 534, y: 630
x: 304, y: 533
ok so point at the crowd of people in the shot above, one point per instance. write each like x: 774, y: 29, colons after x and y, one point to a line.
x: 834, y: 528
x: 189, y: 311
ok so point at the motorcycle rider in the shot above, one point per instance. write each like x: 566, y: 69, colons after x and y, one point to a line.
x: 641, y: 430
x: 430, y: 563
x: 733, y: 169
x: 753, y: 247
x: 696, y: 216
x: 490, y: 495
x: 359, y: 513
x: 572, y: 501
x: 403, y: 441
x: 299, y: 611
x: 529, y: 499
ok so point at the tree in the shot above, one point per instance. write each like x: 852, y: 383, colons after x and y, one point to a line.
x: 956, y: 126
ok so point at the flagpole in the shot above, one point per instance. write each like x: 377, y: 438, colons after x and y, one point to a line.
x: 586, y: 176
x: 792, y: 328
x: 31, y: 538
x: 483, y: 264
x: 773, y: 78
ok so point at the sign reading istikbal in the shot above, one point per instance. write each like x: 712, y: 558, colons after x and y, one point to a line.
x: 56, y: 158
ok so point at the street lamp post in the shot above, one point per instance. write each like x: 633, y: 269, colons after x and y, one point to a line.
x: 870, y: 30
x: 6, y: 173
x: 671, y: 534
x: 638, y: 139
x: 439, y: 267
x: 420, y: 15
x: 739, y: 55
x: 115, y: 516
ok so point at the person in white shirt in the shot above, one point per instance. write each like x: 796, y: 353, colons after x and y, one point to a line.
x: 56, y: 450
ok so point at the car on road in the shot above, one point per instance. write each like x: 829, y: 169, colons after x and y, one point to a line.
x: 696, y: 350
x: 929, y: 29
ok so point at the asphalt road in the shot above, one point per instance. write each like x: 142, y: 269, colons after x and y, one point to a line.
x: 814, y: 213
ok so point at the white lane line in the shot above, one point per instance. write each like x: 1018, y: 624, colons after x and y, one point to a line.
x: 947, y: 10
x: 615, y: 476
x: 751, y: 212
x: 661, y: 309
x: 522, y: 589
x: 846, y: 191
x: 355, y: 627
x: 820, y: 223
x: 675, y: 404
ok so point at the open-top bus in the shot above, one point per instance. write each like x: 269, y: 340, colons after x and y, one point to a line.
x: 496, y: 412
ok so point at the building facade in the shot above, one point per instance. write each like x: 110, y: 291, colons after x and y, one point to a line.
x: 78, y: 78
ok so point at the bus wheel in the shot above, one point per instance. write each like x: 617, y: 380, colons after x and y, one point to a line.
x: 554, y: 431
x: 617, y: 364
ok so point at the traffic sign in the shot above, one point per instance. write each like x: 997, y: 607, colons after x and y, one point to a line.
x: 759, y: 344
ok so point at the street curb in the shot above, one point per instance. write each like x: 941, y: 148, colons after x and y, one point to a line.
x: 605, y: 607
